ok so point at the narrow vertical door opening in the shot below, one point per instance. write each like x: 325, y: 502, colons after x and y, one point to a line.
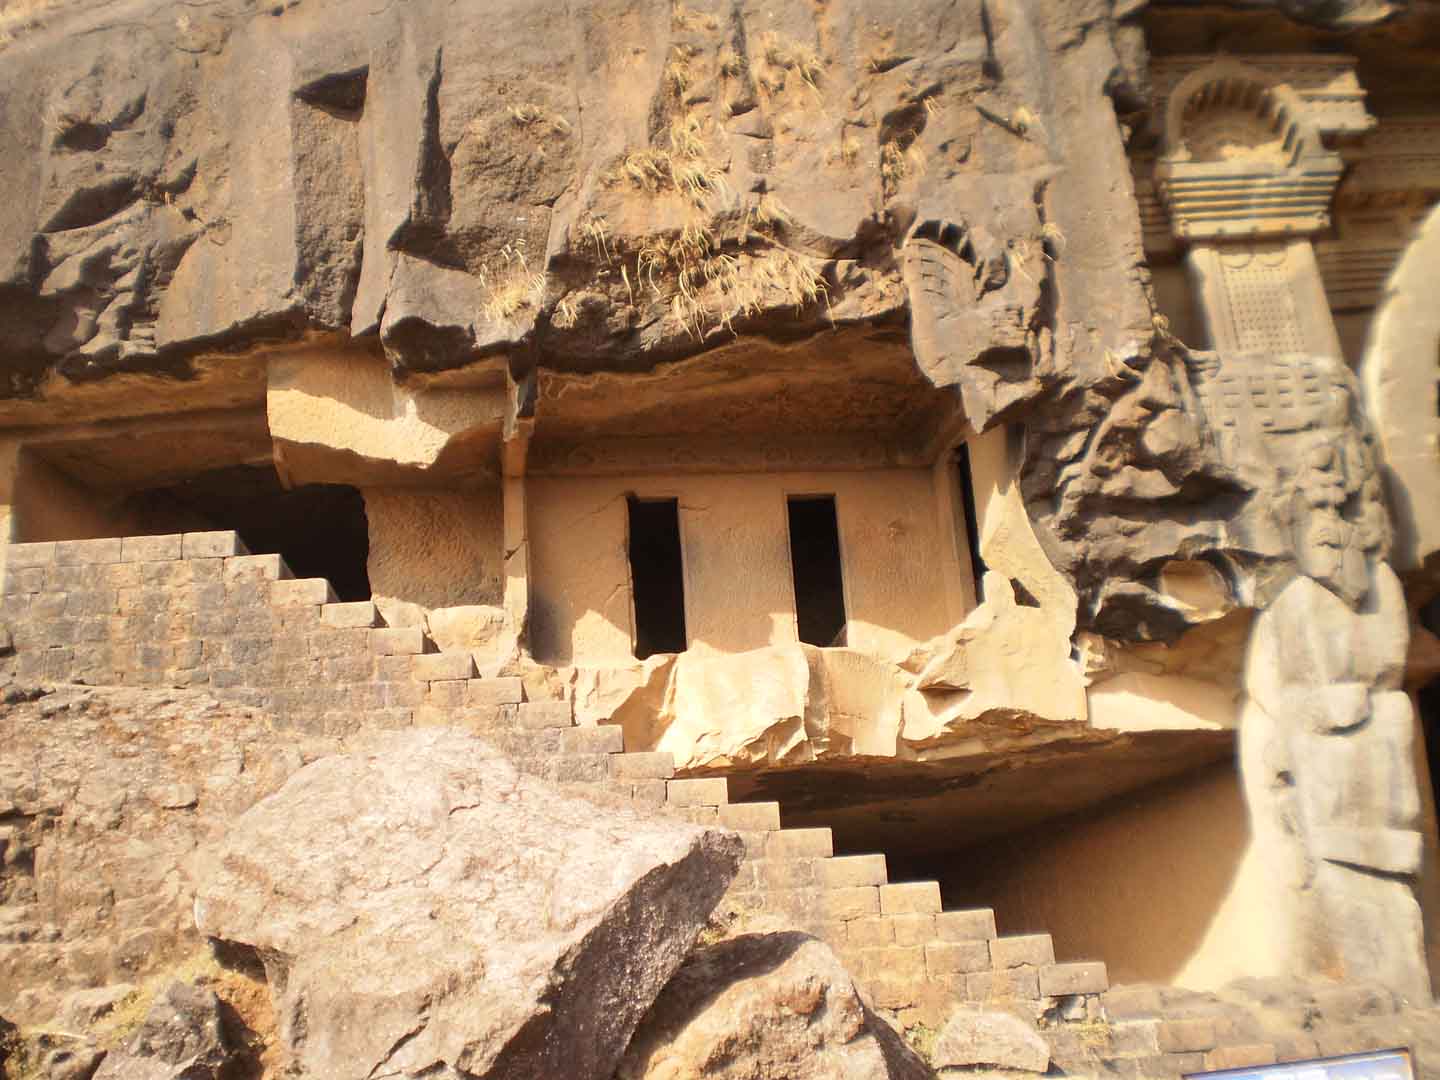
x: 657, y: 576
x: 1428, y: 705
x: 972, y: 519
x: 815, y: 564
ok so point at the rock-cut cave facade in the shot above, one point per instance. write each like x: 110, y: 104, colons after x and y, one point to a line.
x: 1001, y: 433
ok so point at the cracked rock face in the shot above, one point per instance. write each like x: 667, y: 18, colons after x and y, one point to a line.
x: 609, y: 184
x: 602, y: 188
x: 442, y: 915
x: 108, y: 795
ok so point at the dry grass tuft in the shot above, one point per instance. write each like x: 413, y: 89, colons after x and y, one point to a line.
x: 900, y: 159
x: 922, y: 1039
x: 725, y: 287
x: 200, y: 968
x: 698, y: 179
x: 595, y: 230
x: 678, y: 72
x: 645, y: 169
x: 782, y: 57
x: 566, y: 314
x: 686, y: 19
x: 1026, y: 121
x: 770, y: 212
x: 687, y: 135
x: 1022, y: 122
x: 685, y: 166
x: 767, y: 216
x: 509, y: 283
x: 706, y: 285
x: 538, y: 118
x: 1053, y: 239
x: 731, y: 63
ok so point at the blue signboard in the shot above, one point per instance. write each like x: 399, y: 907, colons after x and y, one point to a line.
x: 1376, y: 1065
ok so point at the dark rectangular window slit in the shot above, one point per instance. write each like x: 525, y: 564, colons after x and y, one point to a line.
x: 657, y: 576
x: 972, y: 519
x: 815, y: 564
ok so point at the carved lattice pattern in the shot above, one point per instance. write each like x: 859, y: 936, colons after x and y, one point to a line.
x: 1259, y: 293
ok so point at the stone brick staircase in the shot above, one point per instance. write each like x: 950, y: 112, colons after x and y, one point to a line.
x: 196, y: 610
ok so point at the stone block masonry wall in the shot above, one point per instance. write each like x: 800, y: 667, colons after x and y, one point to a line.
x: 196, y: 610
x: 1161, y: 1031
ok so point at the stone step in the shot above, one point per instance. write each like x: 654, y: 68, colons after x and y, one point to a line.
x: 356, y: 614
x: 271, y: 568
x: 695, y: 792
x: 910, y: 898
x: 1021, y: 950
x: 751, y: 817
x: 652, y: 765
x: 400, y: 641
x: 847, y: 870
x: 975, y: 924
x: 536, y: 715
x: 442, y: 666
x: 799, y: 844
x: 605, y: 739
x: 1084, y: 977
x: 482, y: 693
x: 218, y: 544
x: 301, y: 592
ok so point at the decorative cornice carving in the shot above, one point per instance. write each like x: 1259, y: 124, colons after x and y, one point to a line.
x: 1242, y: 156
x: 1398, y: 163
x: 1328, y: 91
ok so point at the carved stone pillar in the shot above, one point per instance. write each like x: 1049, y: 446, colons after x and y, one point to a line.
x: 1247, y: 180
x: 1326, y: 732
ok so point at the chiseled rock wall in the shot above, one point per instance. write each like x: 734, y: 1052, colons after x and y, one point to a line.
x: 609, y: 185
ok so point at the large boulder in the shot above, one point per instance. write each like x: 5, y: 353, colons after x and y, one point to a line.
x: 423, y: 909
x: 765, y: 1006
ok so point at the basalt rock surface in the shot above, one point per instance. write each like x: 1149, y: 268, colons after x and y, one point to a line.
x: 182, y: 1038
x: 610, y: 187
x: 602, y: 187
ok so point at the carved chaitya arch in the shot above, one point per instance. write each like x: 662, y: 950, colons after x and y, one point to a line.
x: 1241, y: 158
x: 1400, y: 373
